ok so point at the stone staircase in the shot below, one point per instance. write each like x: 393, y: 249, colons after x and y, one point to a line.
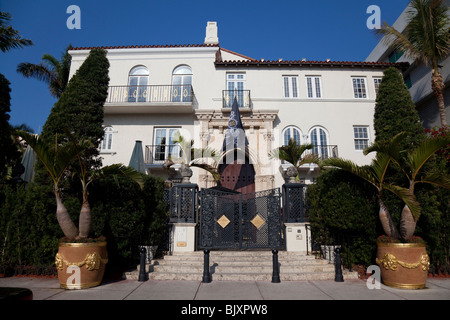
x: 240, y: 266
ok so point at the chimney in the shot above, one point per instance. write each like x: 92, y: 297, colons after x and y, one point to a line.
x: 211, y: 33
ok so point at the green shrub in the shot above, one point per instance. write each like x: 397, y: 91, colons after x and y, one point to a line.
x: 344, y: 206
x: 124, y: 214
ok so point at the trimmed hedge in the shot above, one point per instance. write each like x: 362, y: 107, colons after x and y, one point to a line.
x: 342, y: 206
x: 124, y: 214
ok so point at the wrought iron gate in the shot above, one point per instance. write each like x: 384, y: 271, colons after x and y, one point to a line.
x: 240, y: 221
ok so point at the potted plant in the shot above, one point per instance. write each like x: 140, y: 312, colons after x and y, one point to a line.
x: 294, y: 154
x: 80, y: 260
x: 404, y: 263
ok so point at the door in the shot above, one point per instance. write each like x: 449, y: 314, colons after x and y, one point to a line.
x: 235, y: 88
x: 238, y: 176
x: 137, y: 84
x: 182, y: 84
x: 319, y: 139
x: 164, y: 146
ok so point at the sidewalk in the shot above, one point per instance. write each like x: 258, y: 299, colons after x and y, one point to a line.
x: 48, y: 289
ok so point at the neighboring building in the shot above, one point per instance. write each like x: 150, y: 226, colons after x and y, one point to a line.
x: 417, y: 77
x: 156, y: 91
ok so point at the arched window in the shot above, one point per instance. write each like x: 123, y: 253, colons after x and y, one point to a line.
x: 319, y: 138
x: 107, y: 141
x: 291, y: 132
x: 137, y: 84
x: 182, y: 84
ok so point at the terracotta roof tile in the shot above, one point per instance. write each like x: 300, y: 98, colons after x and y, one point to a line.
x: 146, y: 46
x: 311, y: 63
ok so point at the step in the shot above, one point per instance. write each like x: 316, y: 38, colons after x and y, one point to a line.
x: 238, y: 266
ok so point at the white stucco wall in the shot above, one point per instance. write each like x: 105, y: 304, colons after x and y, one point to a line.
x: 336, y: 112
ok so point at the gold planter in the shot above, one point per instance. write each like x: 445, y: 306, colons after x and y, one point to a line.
x: 81, y: 265
x: 403, y: 265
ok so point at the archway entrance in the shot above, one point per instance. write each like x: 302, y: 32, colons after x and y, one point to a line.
x: 238, y: 176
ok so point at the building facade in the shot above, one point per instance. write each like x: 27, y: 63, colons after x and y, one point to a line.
x: 157, y: 92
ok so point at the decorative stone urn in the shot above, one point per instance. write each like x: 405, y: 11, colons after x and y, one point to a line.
x: 81, y: 265
x: 403, y: 265
x: 291, y: 173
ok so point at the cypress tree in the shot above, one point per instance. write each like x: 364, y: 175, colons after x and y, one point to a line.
x: 79, y: 110
x: 396, y: 112
x: 80, y: 107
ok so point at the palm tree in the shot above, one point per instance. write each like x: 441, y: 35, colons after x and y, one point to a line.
x: 293, y: 153
x: 10, y: 38
x: 52, y: 71
x: 426, y: 40
x: 57, y: 159
x: 410, y: 165
x: 203, y: 158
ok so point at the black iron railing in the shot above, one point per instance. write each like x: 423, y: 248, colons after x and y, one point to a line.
x: 324, y: 151
x: 151, y: 94
x: 158, y: 154
x: 242, y: 97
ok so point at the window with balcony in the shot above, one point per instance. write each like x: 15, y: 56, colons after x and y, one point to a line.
x: 318, y: 137
x: 164, y: 147
x: 313, y: 84
x: 236, y: 89
x: 182, y: 84
x: 290, y: 86
x: 137, y: 84
x: 291, y: 132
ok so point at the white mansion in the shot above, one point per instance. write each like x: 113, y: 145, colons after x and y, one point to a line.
x: 159, y: 90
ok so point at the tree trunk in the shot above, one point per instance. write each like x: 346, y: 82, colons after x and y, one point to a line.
x: 437, y: 84
x: 85, y: 222
x: 386, y: 221
x: 407, y: 224
x: 65, y: 222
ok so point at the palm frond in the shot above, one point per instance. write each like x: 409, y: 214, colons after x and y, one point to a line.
x: 291, y: 153
x: 365, y: 173
x: 418, y: 157
x: 210, y: 168
x: 55, y: 158
x: 37, y: 71
x: 436, y: 179
x: 398, y: 41
x: 116, y: 170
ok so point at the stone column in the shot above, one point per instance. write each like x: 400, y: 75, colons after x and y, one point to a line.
x: 296, y: 240
x: 183, y: 233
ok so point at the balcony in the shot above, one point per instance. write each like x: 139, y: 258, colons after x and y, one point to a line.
x: 158, y: 154
x: 324, y: 152
x: 150, y: 99
x: 243, y: 99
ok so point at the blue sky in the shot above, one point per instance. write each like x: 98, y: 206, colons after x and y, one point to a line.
x: 292, y: 30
